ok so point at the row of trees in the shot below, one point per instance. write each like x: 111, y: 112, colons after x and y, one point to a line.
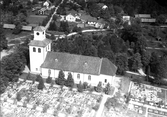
x: 69, y: 82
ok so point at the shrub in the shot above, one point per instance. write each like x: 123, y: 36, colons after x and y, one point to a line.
x: 107, y: 89
x: 41, y: 84
x: 96, y: 107
x: 99, y: 87
x: 80, y: 87
x: 69, y: 81
x: 49, y: 79
x: 38, y: 78
x: 46, y: 106
x: 85, y: 85
x: 61, y: 80
x: 18, y: 96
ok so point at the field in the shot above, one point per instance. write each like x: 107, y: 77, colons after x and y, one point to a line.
x: 57, y: 101
x: 10, y: 36
x: 35, y: 20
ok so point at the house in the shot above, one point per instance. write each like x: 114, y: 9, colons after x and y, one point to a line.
x: 126, y: 19
x: 43, y: 11
x: 9, y: 26
x: 70, y: 18
x: 12, y: 26
x: 81, y: 25
x: 83, y: 68
x: 27, y: 28
x: 100, y: 23
x: 1, y: 1
x: 47, y: 4
x: 150, y: 20
x: 142, y: 16
x: 88, y: 19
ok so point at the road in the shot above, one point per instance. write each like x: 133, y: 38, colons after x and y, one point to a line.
x: 47, y: 25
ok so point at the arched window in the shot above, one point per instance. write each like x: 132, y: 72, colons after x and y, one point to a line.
x: 34, y: 49
x: 78, y: 76
x: 37, y: 33
x: 89, y: 77
x: 39, y: 50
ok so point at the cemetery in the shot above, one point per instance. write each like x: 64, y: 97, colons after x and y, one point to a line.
x: 146, y: 94
x: 25, y: 99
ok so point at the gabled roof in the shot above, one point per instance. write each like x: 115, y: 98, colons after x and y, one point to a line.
x: 88, y: 18
x: 79, y: 63
x: 28, y: 28
x: 39, y: 43
x: 39, y: 28
x: 10, y: 26
x: 72, y: 12
x: 107, y: 67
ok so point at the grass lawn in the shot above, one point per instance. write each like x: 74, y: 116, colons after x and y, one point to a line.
x: 125, y: 82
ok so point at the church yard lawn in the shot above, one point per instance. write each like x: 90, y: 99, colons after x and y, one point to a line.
x: 46, y: 102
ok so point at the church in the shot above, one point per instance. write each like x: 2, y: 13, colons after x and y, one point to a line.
x: 88, y: 69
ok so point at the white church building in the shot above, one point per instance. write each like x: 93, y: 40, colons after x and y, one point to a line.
x: 83, y: 68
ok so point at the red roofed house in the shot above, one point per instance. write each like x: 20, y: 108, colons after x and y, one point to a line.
x: 83, y: 68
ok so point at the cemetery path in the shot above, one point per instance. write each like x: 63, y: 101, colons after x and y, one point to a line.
x: 99, y: 112
x: 148, y: 106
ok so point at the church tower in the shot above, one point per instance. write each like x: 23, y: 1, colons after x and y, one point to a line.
x: 38, y: 49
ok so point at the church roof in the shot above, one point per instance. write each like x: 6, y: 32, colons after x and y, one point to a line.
x: 79, y: 63
x: 39, y: 43
x: 39, y: 28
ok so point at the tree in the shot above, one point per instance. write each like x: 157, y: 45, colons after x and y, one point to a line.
x: 3, y: 41
x: 70, y: 81
x: 161, y: 19
x: 135, y: 62
x: 52, y: 37
x: 45, y: 21
x: 61, y: 80
x: 41, y: 83
x: 107, y: 89
x: 145, y: 58
x: 76, y: 29
x: 154, y: 63
x: 12, y: 66
x: 52, y: 26
x: 18, y: 28
x: 3, y: 82
x: 121, y: 63
x: 140, y: 44
x: 61, y: 10
x: 99, y: 87
x: 162, y: 67
x: 64, y: 27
